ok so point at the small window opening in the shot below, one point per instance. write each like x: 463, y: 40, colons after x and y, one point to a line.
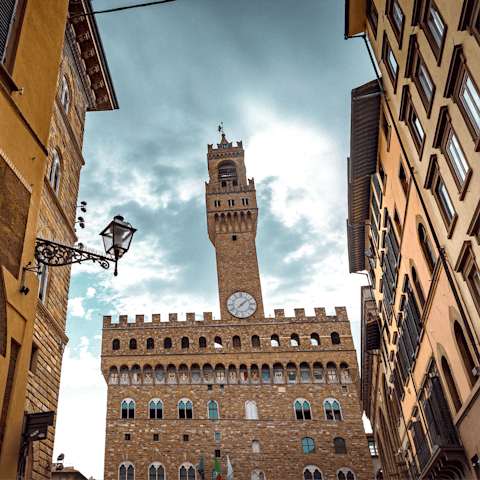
x: 218, y: 436
x: 167, y: 343
x: 234, y: 183
x: 150, y: 343
x: 127, y: 436
x: 234, y: 238
x: 34, y: 359
x: 403, y: 178
x: 209, y: 387
x: 116, y: 344
x: 231, y: 202
x: 217, y: 454
x: 133, y: 344
x: 224, y: 183
x: 155, y: 437
x: 244, y: 201
x: 217, y: 203
x: 185, y: 438
x: 344, y: 389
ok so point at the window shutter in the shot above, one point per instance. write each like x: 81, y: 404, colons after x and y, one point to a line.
x: 7, y: 17
x: 440, y: 405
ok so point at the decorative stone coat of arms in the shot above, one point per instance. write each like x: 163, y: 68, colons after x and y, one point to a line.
x: 183, y: 377
x: 124, y: 379
x: 148, y: 378
x: 221, y: 376
x: 255, y: 377
x: 232, y: 376
x: 278, y: 376
x: 171, y: 378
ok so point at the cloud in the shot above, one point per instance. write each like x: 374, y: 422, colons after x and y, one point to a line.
x: 90, y: 292
x: 75, y: 307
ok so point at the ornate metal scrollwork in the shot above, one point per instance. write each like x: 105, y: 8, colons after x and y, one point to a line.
x: 56, y: 254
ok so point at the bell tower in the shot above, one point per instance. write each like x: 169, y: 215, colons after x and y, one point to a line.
x: 232, y: 226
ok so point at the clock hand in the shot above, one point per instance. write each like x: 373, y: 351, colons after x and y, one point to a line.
x: 243, y: 303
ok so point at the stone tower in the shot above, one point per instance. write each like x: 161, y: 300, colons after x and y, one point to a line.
x: 275, y: 394
x: 232, y: 226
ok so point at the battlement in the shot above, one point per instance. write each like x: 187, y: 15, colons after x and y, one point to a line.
x: 191, y: 318
x: 230, y: 146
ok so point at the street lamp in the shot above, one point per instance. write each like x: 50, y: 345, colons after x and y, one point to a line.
x: 116, y: 239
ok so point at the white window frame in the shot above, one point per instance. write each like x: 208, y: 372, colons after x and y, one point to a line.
x: 126, y: 464
x: 187, y: 465
x: 331, y: 400
x: 301, y: 400
x: 456, y: 157
x: 312, y: 469
x: 256, y: 473
x: 128, y: 400
x: 345, y: 470
x: 184, y: 400
x: 156, y: 465
x: 473, y: 110
x: 156, y: 400
x: 251, y: 408
x: 231, y: 202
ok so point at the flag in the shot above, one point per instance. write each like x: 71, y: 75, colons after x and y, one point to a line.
x: 229, y: 470
x: 200, y: 469
x: 217, y: 471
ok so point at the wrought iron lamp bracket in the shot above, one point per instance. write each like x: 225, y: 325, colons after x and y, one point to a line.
x: 55, y: 255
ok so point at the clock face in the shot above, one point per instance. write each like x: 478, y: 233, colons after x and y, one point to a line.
x: 241, y: 304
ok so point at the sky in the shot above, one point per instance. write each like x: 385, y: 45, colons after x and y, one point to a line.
x: 278, y: 74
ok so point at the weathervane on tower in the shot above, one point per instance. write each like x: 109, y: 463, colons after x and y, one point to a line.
x: 220, y: 129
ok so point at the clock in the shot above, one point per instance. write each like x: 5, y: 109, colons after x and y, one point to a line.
x: 241, y: 304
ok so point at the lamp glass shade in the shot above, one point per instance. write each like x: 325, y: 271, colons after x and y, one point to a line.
x: 117, y: 237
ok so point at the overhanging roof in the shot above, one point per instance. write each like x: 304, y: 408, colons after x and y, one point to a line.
x: 355, y: 17
x: 361, y: 165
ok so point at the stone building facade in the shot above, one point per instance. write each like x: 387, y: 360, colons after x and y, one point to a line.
x: 83, y: 85
x: 414, y: 225
x: 275, y: 394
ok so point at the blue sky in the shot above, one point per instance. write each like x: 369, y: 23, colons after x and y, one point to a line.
x: 278, y: 74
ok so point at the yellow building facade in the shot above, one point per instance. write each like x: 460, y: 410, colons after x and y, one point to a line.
x: 414, y: 219
x: 47, y: 84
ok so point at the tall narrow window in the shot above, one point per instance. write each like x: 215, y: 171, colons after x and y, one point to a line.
x: 340, y: 446
x: 390, y: 61
x: 335, y: 338
x: 128, y: 409
x: 444, y: 202
x: 251, y: 411
x: 308, y: 445
x: 244, y: 201
x: 465, y: 353
x: 274, y: 341
x: 294, y: 340
x: 314, y: 339
x: 396, y: 17
x: 65, y: 95
x: 167, y: 343
x: 218, y: 342
x: 133, y: 344
x: 55, y: 172
x: 418, y: 287
x: 255, y: 341
x: 457, y: 159
x: 372, y: 15
x: 470, y: 101
x: 435, y: 28
x: 185, y: 342
x: 212, y: 410
x: 116, y: 344
x: 452, y: 387
x: 426, y: 248
x: 402, y: 175
x: 236, y: 341
x: 202, y: 342
x: 150, y: 343
x: 332, y: 410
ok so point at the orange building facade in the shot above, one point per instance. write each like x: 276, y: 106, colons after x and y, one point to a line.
x: 414, y: 219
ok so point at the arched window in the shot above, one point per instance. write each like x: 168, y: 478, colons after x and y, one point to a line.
x: 133, y: 344
x: 116, y: 344
x: 265, y: 373
x: 167, y: 343
x: 312, y: 473
x: 156, y: 472
x: 332, y: 372
x: 452, y: 388
x: 65, y: 94
x: 315, y: 339
x: 236, y: 341
x: 185, y: 342
x: 202, y: 342
x: 258, y: 475
x: 251, y: 412
x: 126, y: 471
x: 227, y: 171
x: 255, y: 341
x: 150, y: 344
x: 128, y: 408
x: 418, y: 287
x: 345, y: 474
x: 185, y: 409
x: 42, y: 283
x: 212, y: 409
x: 464, y: 352
x: 291, y: 372
x: 55, y: 172
x: 332, y: 409
x: 218, y: 342
x: 308, y: 445
x: 156, y: 408
x: 426, y: 247
x: 113, y: 376
x: 294, y: 340
x: 340, y: 446
x: 335, y: 338
x: 274, y: 341
x: 187, y: 472
x: 302, y: 409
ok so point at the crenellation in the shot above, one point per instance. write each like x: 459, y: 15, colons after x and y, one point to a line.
x: 190, y: 318
x: 279, y: 313
x: 207, y: 316
x: 139, y: 319
x: 320, y: 314
x: 299, y: 313
x: 156, y: 318
x: 172, y: 317
x: 123, y: 320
